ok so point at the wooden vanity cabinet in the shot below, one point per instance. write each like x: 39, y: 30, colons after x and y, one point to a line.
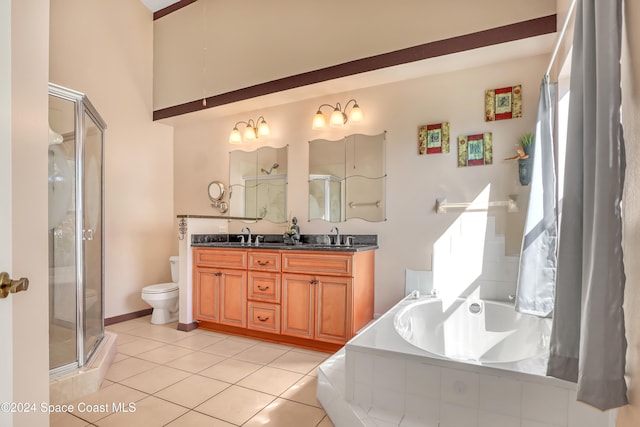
x: 220, y: 286
x: 326, y: 296
x: 315, y: 299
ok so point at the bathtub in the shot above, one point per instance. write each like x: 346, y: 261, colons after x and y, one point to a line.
x: 473, y: 330
x: 464, y: 363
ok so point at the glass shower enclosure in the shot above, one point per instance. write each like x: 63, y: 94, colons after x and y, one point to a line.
x: 76, y: 269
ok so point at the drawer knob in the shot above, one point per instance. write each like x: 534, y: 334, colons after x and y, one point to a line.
x: 262, y: 319
x: 260, y: 262
x: 262, y: 288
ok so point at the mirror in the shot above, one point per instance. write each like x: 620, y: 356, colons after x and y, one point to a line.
x: 258, y: 184
x: 347, y: 178
x: 216, y: 191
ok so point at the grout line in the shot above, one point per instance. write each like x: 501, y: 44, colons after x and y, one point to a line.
x: 286, y: 351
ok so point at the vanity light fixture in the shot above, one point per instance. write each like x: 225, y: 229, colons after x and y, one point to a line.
x: 339, y: 116
x: 254, y: 130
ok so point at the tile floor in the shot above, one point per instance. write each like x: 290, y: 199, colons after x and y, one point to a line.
x: 200, y: 378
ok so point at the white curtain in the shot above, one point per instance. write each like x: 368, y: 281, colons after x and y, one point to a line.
x: 588, y: 342
x: 538, y: 257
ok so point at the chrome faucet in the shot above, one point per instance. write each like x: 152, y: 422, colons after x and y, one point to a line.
x: 258, y: 237
x: 337, y: 231
x: 248, y: 230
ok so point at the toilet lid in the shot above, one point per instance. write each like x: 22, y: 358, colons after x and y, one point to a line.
x: 160, y: 288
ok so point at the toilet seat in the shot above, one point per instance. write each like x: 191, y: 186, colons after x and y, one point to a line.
x: 160, y: 288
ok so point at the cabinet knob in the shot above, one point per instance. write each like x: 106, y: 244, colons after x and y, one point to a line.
x: 262, y: 319
x: 263, y: 288
x: 217, y: 273
x: 260, y: 262
x: 313, y: 282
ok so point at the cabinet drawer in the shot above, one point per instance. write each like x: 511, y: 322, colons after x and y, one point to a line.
x: 225, y: 258
x: 264, y: 286
x: 263, y: 260
x: 264, y: 317
x: 317, y: 263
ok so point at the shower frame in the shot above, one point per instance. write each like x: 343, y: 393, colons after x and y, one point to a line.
x: 83, y: 108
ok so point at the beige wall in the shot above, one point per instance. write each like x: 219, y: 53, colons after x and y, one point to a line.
x: 414, y: 181
x: 629, y: 416
x: 105, y: 49
x: 281, y: 38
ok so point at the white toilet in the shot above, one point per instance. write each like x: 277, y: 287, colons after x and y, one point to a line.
x: 163, y: 297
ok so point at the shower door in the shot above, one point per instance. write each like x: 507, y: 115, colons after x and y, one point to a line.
x: 92, y: 305
x: 76, y: 324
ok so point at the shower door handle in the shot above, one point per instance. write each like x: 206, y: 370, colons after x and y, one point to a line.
x: 12, y: 286
x: 88, y: 234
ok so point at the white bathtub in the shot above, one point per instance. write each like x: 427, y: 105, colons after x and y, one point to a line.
x: 382, y: 379
x: 473, y: 330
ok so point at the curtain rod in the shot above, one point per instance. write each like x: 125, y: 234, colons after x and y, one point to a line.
x: 561, y: 36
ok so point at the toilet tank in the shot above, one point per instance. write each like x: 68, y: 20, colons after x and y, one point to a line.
x: 175, y: 268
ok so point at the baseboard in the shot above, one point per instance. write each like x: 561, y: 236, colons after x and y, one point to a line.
x: 186, y: 327
x: 128, y: 316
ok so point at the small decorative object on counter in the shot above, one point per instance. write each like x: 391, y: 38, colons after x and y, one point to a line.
x: 292, y: 235
x: 524, y: 156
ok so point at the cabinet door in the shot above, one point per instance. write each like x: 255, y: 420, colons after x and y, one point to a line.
x: 233, y: 297
x: 206, y: 286
x: 298, y: 303
x: 332, y: 309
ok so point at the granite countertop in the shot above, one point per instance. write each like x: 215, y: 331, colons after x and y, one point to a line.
x: 361, y: 242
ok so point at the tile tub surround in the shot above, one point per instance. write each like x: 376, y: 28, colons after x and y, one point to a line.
x: 381, y: 380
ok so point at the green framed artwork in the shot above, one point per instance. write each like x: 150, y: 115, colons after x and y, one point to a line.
x: 475, y: 150
x: 433, y: 138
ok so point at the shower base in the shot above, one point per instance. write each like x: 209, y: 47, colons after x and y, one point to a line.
x: 73, y: 385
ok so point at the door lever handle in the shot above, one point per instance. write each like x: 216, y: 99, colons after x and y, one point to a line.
x: 8, y: 286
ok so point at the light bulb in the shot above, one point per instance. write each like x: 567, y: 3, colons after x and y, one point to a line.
x: 337, y: 119
x: 319, y: 121
x: 235, y: 137
x: 249, y: 133
x: 263, y: 129
x: 356, y: 114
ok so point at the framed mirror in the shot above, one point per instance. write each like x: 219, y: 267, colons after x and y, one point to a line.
x: 258, y: 184
x: 347, y: 178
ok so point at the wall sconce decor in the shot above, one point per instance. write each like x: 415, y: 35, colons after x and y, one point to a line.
x: 254, y: 130
x: 339, y: 116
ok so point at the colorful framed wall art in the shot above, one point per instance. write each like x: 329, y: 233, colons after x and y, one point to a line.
x: 503, y: 103
x: 433, y: 138
x: 475, y: 150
